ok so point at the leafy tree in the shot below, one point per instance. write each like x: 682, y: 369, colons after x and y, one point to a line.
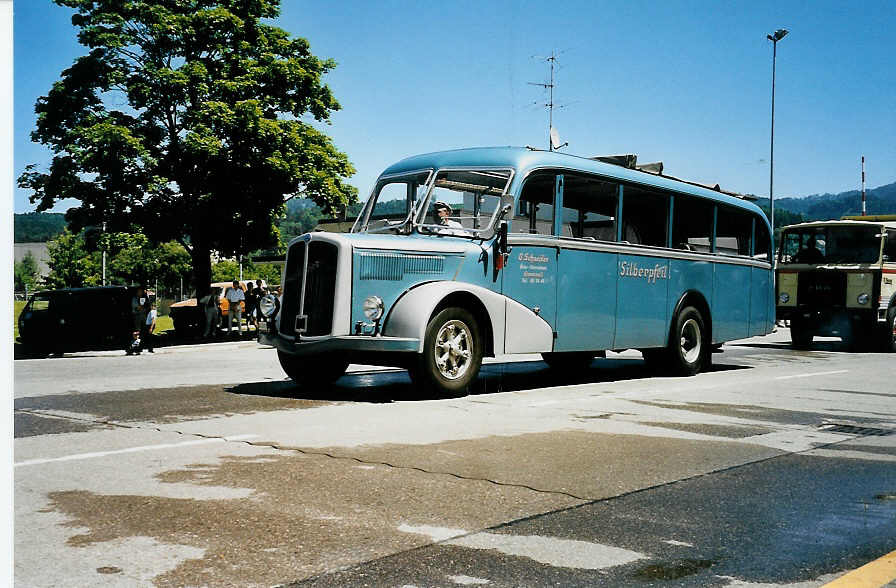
x: 227, y: 270
x: 71, y: 265
x: 191, y: 120
x: 25, y: 273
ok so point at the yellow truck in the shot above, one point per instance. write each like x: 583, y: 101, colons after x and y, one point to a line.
x: 838, y: 279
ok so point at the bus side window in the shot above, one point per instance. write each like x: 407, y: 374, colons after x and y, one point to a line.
x: 645, y: 216
x: 589, y: 208
x: 691, y: 223
x: 535, y: 211
x: 734, y: 229
x: 761, y: 248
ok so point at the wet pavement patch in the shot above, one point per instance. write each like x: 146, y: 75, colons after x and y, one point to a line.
x: 306, y: 515
x: 32, y: 425
x: 108, y: 570
x: 728, y: 431
x: 673, y: 570
x: 165, y: 405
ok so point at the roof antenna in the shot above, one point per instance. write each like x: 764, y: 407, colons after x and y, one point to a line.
x: 554, y: 142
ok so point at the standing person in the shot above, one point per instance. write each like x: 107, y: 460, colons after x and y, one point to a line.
x: 149, y: 327
x: 235, y: 296
x: 209, y: 306
x: 138, y: 307
x: 251, y: 302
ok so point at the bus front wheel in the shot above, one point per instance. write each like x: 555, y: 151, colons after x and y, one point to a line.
x: 310, y: 371
x: 688, y: 350
x: 452, y: 353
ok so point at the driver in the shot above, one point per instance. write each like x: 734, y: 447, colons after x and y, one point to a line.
x: 443, y: 214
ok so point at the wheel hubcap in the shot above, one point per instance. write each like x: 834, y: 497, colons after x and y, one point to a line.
x: 690, y: 341
x: 453, y: 349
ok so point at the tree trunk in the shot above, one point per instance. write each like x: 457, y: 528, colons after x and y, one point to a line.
x: 202, y: 268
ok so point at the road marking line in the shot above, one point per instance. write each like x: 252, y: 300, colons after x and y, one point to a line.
x: 812, y: 375
x: 79, y: 456
x: 878, y: 573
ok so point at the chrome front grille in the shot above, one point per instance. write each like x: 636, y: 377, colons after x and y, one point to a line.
x: 309, y: 289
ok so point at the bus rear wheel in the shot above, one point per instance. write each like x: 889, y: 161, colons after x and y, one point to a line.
x: 689, y: 349
x: 313, y: 370
x: 452, y: 354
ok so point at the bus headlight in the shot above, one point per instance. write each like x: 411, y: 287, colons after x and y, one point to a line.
x: 373, y: 308
x: 784, y: 298
x: 862, y: 299
x: 268, y: 305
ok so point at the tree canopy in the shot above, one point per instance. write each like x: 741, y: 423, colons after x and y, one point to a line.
x: 190, y: 119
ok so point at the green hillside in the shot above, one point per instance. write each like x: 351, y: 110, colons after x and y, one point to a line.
x: 37, y: 227
x: 880, y: 200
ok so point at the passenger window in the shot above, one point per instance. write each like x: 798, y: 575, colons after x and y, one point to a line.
x: 645, y: 216
x: 535, y: 211
x: 733, y: 231
x: 589, y: 208
x: 692, y: 220
x: 761, y: 250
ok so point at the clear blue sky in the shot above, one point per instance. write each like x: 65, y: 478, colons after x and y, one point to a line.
x: 688, y: 83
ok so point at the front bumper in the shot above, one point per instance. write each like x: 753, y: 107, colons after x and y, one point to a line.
x: 349, y: 344
x: 830, y: 321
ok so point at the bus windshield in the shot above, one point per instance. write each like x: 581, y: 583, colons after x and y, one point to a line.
x: 391, y: 202
x: 830, y: 245
x: 463, y: 202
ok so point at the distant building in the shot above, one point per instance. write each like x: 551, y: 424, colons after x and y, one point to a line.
x: 39, y: 251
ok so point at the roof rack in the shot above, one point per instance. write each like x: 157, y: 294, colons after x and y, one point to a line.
x: 630, y: 161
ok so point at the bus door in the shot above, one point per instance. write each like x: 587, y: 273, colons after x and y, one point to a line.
x: 530, y: 275
x: 642, y: 275
x: 586, y: 279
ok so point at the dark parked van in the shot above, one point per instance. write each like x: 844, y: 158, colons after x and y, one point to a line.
x: 74, y: 319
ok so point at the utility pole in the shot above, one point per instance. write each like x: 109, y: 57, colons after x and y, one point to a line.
x: 863, y: 185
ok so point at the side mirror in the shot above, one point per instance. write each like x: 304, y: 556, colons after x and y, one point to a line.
x: 501, y: 251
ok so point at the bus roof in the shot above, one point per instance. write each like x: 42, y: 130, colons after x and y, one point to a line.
x: 525, y: 159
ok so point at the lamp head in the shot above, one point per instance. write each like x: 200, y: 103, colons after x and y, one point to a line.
x: 777, y: 35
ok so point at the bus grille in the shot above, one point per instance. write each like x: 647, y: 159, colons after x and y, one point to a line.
x: 822, y: 289
x: 312, y: 316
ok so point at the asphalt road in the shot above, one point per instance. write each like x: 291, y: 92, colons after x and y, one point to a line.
x: 204, y: 466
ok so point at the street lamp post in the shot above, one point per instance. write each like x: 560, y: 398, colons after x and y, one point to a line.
x: 774, y: 38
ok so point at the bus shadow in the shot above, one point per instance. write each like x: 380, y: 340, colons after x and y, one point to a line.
x: 383, y: 387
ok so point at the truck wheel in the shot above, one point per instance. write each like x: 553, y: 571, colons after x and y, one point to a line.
x: 570, y: 362
x: 888, y: 336
x: 452, y: 354
x: 800, y: 335
x: 688, y: 350
x: 313, y: 370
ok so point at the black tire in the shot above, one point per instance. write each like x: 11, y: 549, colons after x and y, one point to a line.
x: 888, y: 334
x: 313, y: 370
x: 452, y: 354
x: 569, y: 361
x: 689, y: 347
x: 800, y: 335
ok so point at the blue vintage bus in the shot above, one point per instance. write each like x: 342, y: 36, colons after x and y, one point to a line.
x: 539, y: 252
